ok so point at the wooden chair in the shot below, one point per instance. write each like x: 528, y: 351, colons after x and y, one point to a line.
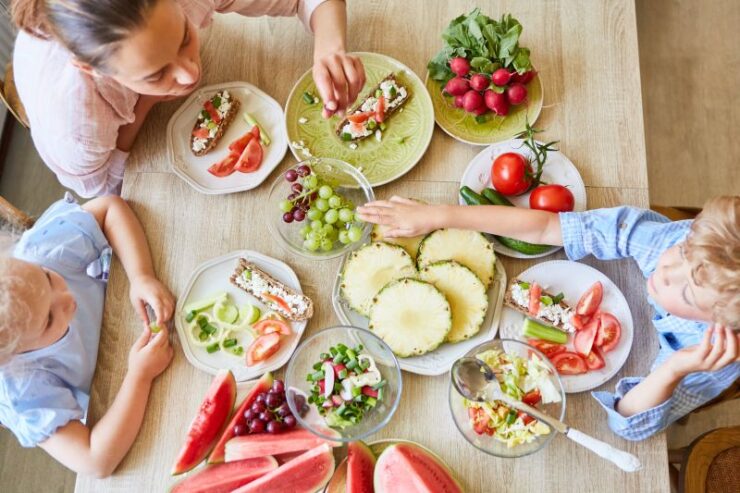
x: 676, y: 213
x: 9, y: 95
x: 710, y: 463
x: 14, y: 217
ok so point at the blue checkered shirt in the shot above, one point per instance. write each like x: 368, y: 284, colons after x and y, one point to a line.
x: 643, y: 235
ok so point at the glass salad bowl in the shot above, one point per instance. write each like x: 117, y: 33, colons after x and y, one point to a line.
x: 311, y: 208
x: 523, y: 439
x: 365, y: 391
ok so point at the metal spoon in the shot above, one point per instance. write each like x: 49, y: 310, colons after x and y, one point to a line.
x: 476, y: 381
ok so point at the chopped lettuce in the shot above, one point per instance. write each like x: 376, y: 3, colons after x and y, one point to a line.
x: 336, y: 421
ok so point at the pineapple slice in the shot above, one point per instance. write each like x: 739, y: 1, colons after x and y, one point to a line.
x: 370, y: 268
x: 411, y: 245
x: 411, y: 316
x: 464, y: 291
x: 470, y: 248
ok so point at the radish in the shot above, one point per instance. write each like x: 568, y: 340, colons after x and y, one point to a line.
x: 501, y: 77
x: 498, y: 103
x: 481, y: 111
x: 525, y: 77
x: 479, y: 82
x: 472, y: 100
x: 459, y: 101
x: 457, y: 86
x: 516, y: 93
x: 459, y: 66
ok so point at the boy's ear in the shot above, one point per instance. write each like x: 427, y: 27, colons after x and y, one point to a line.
x: 84, y: 67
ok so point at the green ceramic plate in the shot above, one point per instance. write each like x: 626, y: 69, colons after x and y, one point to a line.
x: 403, y: 143
x: 459, y: 124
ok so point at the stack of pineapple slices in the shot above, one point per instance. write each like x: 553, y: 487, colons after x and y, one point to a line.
x: 421, y: 292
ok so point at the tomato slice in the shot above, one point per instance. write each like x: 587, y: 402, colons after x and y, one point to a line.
x: 224, y: 167
x: 380, y: 110
x: 590, y: 301
x: 256, y: 132
x: 579, y: 322
x: 535, y: 291
x: 532, y: 397
x: 360, y: 117
x: 208, y: 105
x: 237, y: 147
x: 549, y: 349
x: 251, y: 159
x: 262, y: 348
x: 609, y: 332
x: 526, y: 418
x: 277, y: 299
x: 567, y: 363
x: 201, y: 133
x: 594, y: 360
x: 268, y: 326
x: 584, y: 339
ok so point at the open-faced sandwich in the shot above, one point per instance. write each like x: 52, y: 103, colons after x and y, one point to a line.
x: 213, y: 120
x: 531, y: 300
x: 273, y: 293
x: 371, y: 113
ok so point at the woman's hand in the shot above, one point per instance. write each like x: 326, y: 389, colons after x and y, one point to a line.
x: 707, y: 356
x: 339, y: 78
x: 146, y: 289
x: 402, y: 217
x: 150, y: 355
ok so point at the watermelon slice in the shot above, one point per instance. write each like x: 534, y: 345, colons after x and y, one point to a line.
x: 306, y: 473
x: 261, y: 444
x: 209, y: 423
x: 223, y: 478
x: 360, y: 467
x: 262, y: 385
x: 412, y: 469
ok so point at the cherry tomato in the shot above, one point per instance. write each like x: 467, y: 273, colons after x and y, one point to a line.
x: 526, y: 418
x: 532, y: 397
x: 212, y: 111
x: 251, y: 159
x: 568, y: 363
x: 224, y: 167
x: 268, y: 326
x: 584, y: 339
x: 360, y: 117
x: 553, y: 198
x: 280, y: 302
x: 535, y: 291
x: 590, y: 300
x: 609, y: 333
x: 262, y: 348
x: 549, y: 349
x: 594, y: 360
x: 380, y: 110
x: 201, y: 133
x: 511, y: 173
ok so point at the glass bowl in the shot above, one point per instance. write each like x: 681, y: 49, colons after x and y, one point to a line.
x: 344, y: 179
x: 489, y: 444
x: 301, y: 364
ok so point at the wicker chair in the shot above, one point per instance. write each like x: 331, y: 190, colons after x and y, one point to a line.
x: 710, y: 463
x: 11, y: 216
x: 9, y: 95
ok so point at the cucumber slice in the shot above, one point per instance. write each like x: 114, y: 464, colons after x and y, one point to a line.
x: 200, y: 305
x: 536, y: 330
x: 523, y: 246
x: 226, y: 312
x: 249, y: 314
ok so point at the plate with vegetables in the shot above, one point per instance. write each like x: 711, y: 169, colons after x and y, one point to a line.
x: 576, y: 316
x: 483, y: 86
x: 226, y: 138
x: 523, y: 172
x: 229, y: 316
x: 384, y: 134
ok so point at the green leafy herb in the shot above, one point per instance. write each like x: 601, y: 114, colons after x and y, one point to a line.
x: 539, y: 152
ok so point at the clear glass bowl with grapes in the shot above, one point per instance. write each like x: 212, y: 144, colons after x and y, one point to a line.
x: 311, y: 208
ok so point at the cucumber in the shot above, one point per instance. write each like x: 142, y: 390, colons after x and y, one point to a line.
x: 200, y: 305
x: 523, y: 246
x: 496, y: 198
x: 472, y: 198
x: 536, y: 330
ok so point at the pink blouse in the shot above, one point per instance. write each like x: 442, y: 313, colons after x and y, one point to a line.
x: 75, y: 117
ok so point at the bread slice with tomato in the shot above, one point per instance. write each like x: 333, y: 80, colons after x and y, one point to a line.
x: 367, y: 116
x: 529, y: 299
x: 214, y: 118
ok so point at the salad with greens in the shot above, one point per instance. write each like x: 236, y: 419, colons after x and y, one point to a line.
x: 527, y: 380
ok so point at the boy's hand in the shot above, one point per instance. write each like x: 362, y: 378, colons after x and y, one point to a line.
x: 339, y: 79
x: 150, y: 355
x: 707, y: 356
x: 402, y: 217
x: 147, y: 289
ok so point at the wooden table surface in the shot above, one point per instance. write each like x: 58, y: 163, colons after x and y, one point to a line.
x: 586, y: 53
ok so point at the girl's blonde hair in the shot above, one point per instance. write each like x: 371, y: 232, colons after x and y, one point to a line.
x: 713, y: 250
x: 13, y: 309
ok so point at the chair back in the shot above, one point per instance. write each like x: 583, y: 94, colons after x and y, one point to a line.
x: 11, y: 216
x: 9, y: 95
x: 710, y: 463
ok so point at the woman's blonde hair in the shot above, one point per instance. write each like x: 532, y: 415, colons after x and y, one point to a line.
x: 713, y: 250
x: 13, y: 309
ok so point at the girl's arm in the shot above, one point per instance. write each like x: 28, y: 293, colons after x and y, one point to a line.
x: 97, y: 451
x: 405, y: 217
x: 126, y: 236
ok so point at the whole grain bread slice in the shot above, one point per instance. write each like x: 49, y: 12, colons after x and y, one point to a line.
x: 225, y: 122
x: 511, y: 303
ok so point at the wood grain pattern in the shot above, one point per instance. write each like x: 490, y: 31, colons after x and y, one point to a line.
x: 572, y: 42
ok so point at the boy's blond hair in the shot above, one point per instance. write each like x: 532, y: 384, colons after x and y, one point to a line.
x: 13, y: 309
x: 713, y: 250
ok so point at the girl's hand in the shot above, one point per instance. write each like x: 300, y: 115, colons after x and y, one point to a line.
x: 402, y: 217
x: 707, y: 356
x: 150, y: 354
x: 339, y: 78
x: 147, y: 289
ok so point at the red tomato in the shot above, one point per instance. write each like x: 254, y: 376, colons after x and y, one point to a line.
x: 568, y: 363
x: 369, y: 391
x: 256, y: 132
x: 535, y: 291
x: 208, y: 105
x: 224, y: 167
x: 532, y: 397
x: 549, y: 349
x: 268, y: 326
x: 594, y: 360
x: 591, y: 300
x: 201, y: 133
x: 609, y: 333
x: 479, y: 420
x: 526, y: 418
x: 578, y: 321
x: 511, y: 173
x: 360, y: 117
x: 237, y: 147
x: 584, y: 340
x: 251, y: 159
x: 380, y: 110
x: 553, y: 198
x: 280, y: 302
x: 262, y: 348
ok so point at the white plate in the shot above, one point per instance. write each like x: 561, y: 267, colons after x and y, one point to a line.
x: 212, y: 277
x: 573, y: 279
x: 194, y: 169
x: 441, y: 359
x: 558, y: 169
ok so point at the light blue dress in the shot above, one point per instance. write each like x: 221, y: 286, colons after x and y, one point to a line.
x: 45, y: 389
x: 626, y: 232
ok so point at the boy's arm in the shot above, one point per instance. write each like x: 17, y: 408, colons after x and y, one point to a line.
x: 98, y: 451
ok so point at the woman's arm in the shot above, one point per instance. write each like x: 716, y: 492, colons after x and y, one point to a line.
x: 98, y: 451
x: 127, y: 133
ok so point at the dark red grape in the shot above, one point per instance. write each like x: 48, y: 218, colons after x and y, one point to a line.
x: 274, y: 427
x: 289, y: 421
x: 265, y: 416
x: 291, y: 175
x: 303, y: 170
x: 288, y: 217
x: 257, y: 426
x: 258, y: 407
x: 292, y: 196
x: 240, y: 430
x: 313, y: 196
x: 299, y: 402
x: 261, y: 397
x: 250, y: 414
x: 272, y: 400
x: 299, y: 215
x: 283, y: 410
x: 296, y: 187
x: 278, y: 386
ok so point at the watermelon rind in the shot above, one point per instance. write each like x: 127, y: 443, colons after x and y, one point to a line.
x: 223, y: 478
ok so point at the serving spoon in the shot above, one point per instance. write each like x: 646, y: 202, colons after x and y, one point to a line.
x: 476, y: 381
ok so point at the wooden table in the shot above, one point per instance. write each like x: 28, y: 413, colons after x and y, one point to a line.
x: 586, y: 53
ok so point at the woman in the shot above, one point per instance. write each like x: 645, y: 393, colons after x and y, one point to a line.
x: 89, y: 71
